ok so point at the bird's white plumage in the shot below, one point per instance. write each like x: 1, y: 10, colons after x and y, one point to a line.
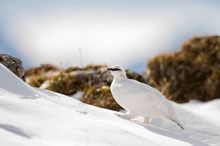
x: 139, y: 99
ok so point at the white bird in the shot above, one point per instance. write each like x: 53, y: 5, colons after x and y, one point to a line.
x: 139, y: 99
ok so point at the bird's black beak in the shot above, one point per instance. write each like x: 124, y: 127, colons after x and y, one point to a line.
x: 109, y: 69
x: 113, y: 69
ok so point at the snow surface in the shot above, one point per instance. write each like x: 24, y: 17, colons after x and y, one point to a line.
x: 209, y: 111
x: 37, y: 117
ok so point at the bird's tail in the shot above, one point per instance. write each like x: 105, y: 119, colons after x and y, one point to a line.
x: 177, y: 122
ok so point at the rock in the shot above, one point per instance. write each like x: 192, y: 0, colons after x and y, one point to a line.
x: 133, y: 75
x: 14, y: 64
x: 192, y: 73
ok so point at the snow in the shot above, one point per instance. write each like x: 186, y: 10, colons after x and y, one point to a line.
x: 33, y: 117
x: 209, y: 111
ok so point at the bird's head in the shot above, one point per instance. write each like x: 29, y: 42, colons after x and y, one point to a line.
x: 117, y: 71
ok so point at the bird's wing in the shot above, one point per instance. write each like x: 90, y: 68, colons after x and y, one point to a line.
x: 142, y: 88
x: 155, y: 98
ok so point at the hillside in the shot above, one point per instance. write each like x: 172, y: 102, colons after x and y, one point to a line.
x: 32, y: 117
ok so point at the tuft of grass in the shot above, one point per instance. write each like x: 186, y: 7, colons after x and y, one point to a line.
x: 36, y: 81
x: 100, y: 96
x: 62, y: 83
x: 44, y: 68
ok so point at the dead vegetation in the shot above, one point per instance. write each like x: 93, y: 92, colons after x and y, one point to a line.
x: 192, y: 73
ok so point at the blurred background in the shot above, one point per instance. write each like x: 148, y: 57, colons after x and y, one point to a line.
x: 125, y: 32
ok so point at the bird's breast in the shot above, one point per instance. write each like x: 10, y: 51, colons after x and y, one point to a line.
x: 117, y: 90
x: 119, y: 93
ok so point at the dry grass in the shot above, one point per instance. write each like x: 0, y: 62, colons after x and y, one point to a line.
x: 192, y: 73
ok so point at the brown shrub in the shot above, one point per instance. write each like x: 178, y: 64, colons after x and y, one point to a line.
x: 100, y: 96
x: 41, y: 70
x: 192, y: 73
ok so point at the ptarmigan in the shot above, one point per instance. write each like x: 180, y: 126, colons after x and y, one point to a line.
x: 139, y: 99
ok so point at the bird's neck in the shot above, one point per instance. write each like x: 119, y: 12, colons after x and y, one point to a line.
x: 120, y: 78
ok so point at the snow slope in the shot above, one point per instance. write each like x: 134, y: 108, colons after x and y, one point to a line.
x: 37, y: 117
x: 209, y: 111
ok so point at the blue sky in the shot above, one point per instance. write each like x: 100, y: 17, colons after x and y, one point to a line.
x: 108, y: 31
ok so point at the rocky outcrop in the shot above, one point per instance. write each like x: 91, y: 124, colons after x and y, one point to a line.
x: 14, y: 64
x: 191, y: 73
